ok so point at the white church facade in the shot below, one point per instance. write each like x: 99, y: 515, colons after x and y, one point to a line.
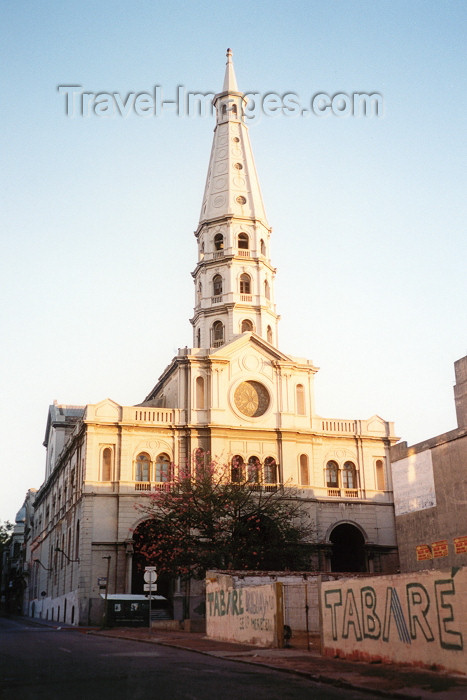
x: 234, y: 395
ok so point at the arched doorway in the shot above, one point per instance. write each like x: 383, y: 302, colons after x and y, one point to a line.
x: 143, y: 535
x: 348, y: 549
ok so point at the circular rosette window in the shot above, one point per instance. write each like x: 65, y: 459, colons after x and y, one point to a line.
x: 252, y: 399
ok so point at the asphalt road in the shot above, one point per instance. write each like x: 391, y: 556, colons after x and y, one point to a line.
x: 43, y: 662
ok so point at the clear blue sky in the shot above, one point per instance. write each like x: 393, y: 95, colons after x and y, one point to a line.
x: 98, y: 215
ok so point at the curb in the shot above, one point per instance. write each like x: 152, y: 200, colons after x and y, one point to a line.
x: 317, y: 678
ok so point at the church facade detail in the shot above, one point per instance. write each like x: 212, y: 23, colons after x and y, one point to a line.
x: 234, y: 395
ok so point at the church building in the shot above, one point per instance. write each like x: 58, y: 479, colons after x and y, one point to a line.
x: 235, y: 395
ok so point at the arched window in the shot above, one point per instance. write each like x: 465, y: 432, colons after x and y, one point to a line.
x: 224, y: 110
x: 247, y: 325
x: 332, y: 475
x: 217, y: 285
x: 217, y: 334
x: 245, y: 284
x: 300, y: 391
x: 269, y: 334
x: 262, y: 247
x: 380, y: 481
x: 349, y: 476
x: 218, y: 241
x: 254, y: 470
x: 143, y: 463
x: 270, y: 470
x: 199, y: 392
x: 77, y: 541
x: 304, y: 473
x: 198, y: 337
x: 162, y: 468
x: 200, y: 291
x: 233, y: 109
x: 106, y: 473
x: 236, y: 469
x: 267, y: 290
x: 201, y: 250
x: 243, y: 241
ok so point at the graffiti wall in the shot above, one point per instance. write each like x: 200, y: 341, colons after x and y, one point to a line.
x: 419, y: 618
x: 251, y: 614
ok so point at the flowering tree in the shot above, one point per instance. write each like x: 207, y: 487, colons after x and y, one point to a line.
x: 203, y: 519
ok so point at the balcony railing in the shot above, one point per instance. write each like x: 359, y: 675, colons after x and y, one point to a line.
x: 243, y: 253
x: 218, y: 254
x: 343, y: 493
x: 217, y: 299
x: 338, y: 426
x: 351, y: 493
x: 270, y: 488
x: 153, y: 486
x: 143, y: 486
x: 154, y: 415
x: 334, y: 492
x: 246, y: 297
x: 217, y: 343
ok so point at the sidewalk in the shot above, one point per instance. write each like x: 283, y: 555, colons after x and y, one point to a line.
x: 386, y: 680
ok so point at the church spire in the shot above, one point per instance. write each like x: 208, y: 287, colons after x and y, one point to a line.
x: 234, y: 276
x: 232, y: 186
x: 230, y: 81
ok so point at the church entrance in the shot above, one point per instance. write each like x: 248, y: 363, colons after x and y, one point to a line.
x: 348, y: 549
x: 142, y: 539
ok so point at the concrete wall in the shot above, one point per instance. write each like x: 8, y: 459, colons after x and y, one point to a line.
x: 418, y: 619
x: 63, y: 608
x: 430, y: 493
x: 251, y: 614
x: 434, y: 535
x: 300, y: 592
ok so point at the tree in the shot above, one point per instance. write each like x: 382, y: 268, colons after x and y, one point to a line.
x: 205, y: 519
x: 5, y: 538
x: 5, y: 534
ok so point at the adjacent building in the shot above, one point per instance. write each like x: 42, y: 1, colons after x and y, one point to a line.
x: 235, y: 395
x: 430, y: 491
x: 14, y: 567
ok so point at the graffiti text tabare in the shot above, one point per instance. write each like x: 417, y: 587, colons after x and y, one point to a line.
x: 405, y: 613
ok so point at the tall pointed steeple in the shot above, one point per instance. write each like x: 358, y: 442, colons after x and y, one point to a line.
x: 234, y: 276
x: 232, y: 186
x: 230, y: 81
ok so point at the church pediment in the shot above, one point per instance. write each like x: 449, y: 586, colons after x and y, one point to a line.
x: 106, y: 410
x: 376, y: 425
x: 255, y: 342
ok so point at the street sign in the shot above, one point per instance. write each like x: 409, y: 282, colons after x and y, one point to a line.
x: 152, y: 587
x: 150, y: 576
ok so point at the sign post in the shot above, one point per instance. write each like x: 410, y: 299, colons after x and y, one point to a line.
x: 150, y: 579
x: 104, y: 618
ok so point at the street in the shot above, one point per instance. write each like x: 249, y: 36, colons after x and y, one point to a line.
x: 43, y: 662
